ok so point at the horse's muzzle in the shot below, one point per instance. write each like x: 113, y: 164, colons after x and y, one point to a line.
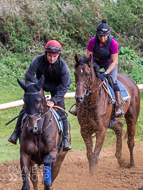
x: 32, y: 124
x: 79, y: 98
x: 35, y: 130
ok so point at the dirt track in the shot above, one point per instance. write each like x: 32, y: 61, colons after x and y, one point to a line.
x: 74, y: 173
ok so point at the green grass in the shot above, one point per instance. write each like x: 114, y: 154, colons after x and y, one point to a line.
x: 11, y: 152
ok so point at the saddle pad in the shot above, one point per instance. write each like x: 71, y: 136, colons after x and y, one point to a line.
x: 58, y: 120
x: 124, y: 93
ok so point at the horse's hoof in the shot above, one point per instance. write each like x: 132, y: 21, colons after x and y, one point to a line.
x: 132, y: 164
x: 49, y: 188
x: 121, y: 162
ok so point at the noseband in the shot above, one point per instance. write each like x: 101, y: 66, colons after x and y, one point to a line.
x: 86, y: 86
x: 27, y: 93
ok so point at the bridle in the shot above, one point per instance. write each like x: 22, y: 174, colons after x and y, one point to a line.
x: 86, y: 86
x: 40, y: 117
x: 88, y: 93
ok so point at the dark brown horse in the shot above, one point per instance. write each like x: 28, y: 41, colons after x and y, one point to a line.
x: 94, y: 111
x: 39, y: 138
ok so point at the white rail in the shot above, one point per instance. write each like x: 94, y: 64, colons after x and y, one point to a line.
x: 20, y: 102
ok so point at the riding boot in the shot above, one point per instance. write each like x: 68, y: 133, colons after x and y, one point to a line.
x: 66, y: 143
x: 13, y: 138
x: 74, y: 111
x: 118, y: 110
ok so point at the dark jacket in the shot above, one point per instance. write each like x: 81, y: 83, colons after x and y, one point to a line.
x: 57, y: 76
x: 103, y: 54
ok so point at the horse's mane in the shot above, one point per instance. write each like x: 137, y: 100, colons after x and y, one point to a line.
x: 84, y: 61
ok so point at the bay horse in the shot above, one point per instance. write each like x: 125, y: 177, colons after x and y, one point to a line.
x: 94, y: 111
x: 39, y: 139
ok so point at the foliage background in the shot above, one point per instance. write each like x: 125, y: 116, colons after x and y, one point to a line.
x: 26, y: 26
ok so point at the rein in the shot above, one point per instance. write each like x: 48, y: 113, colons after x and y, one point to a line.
x: 89, y: 93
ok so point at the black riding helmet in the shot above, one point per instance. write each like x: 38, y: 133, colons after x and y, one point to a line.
x: 103, y: 28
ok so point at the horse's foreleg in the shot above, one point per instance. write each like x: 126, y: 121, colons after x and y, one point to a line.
x: 49, y: 162
x: 33, y: 175
x: 100, y: 136
x: 117, y: 128
x: 88, y: 142
x: 25, y: 164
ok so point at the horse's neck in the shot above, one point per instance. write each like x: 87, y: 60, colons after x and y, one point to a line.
x: 95, y: 87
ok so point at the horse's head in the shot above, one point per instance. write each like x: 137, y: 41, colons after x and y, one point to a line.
x: 33, y: 100
x: 84, y: 77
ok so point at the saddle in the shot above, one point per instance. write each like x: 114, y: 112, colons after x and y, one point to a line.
x: 124, y: 93
x: 124, y: 97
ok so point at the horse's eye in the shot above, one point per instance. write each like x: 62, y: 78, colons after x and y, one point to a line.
x: 38, y: 101
x: 87, y: 74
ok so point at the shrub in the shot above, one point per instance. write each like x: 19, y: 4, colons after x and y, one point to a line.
x: 126, y: 19
x: 131, y: 64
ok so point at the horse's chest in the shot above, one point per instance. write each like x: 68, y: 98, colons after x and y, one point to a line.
x: 91, y: 120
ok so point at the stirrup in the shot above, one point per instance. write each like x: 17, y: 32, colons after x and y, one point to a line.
x: 121, y: 114
x: 74, y: 111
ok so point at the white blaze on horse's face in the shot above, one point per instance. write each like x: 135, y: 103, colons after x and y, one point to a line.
x: 81, y: 71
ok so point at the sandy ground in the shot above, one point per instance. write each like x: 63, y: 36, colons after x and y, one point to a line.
x: 74, y: 173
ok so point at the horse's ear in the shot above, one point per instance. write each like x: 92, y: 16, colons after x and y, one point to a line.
x: 22, y: 84
x: 89, y: 59
x: 91, y: 66
x: 40, y: 82
x: 76, y: 58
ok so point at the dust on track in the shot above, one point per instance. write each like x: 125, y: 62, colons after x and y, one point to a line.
x: 74, y: 173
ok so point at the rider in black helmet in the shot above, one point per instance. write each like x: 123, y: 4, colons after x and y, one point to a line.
x: 104, y: 50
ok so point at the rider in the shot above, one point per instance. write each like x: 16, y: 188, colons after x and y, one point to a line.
x: 104, y: 50
x: 57, y: 82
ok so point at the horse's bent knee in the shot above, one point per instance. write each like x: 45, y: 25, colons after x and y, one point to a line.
x: 130, y: 143
x: 47, y: 161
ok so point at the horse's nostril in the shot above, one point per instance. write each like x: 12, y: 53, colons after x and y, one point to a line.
x: 35, y: 130
x: 79, y: 98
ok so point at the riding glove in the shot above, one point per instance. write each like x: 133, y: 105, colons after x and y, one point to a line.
x: 103, y: 76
